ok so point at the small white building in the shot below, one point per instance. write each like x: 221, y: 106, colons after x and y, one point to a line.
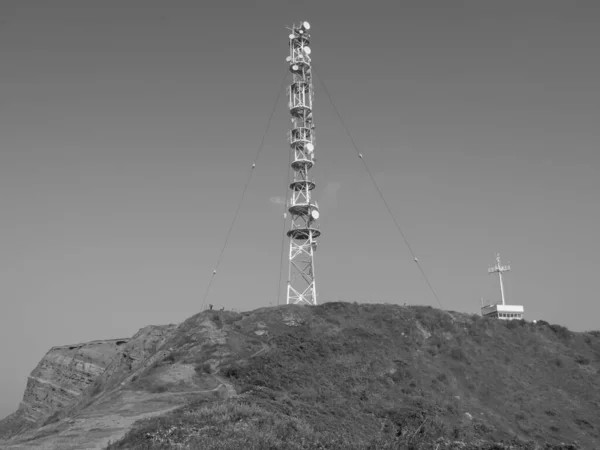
x: 504, y: 312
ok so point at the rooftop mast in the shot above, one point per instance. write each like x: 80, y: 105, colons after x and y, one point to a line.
x: 502, y: 311
x: 304, y: 212
x: 500, y: 269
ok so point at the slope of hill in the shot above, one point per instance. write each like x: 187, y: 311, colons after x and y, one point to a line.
x: 341, y: 376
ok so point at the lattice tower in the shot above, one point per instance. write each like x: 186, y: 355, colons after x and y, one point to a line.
x: 304, y: 212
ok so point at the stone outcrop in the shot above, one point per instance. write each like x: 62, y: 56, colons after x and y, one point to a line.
x: 139, y: 351
x: 77, y: 385
x: 67, y: 374
x: 59, y: 379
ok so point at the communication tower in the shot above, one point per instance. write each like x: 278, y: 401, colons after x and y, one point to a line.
x: 303, y: 210
x: 503, y: 311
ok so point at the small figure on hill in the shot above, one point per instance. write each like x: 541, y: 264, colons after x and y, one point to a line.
x: 223, y: 308
x: 210, y: 306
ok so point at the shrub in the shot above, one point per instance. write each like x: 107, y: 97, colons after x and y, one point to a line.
x: 203, y: 368
x: 561, y: 332
x: 458, y: 355
x: 232, y: 319
x: 157, y: 389
x: 559, y: 362
x: 231, y: 371
x: 513, y: 324
x: 170, y: 359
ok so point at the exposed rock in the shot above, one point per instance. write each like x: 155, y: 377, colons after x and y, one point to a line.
x: 66, y: 374
x: 59, y: 379
x: 157, y: 369
x: 292, y: 320
x: 140, y: 351
x: 426, y: 334
x: 261, y: 329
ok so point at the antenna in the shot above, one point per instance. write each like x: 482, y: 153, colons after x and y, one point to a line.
x: 500, y: 269
x: 304, y: 212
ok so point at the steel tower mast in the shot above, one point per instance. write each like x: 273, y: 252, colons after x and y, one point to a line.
x: 304, y: 212
x: 499, y: 269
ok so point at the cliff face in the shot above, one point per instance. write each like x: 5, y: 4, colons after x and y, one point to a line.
x: 60, y: 378
x: 150, y: 373
x: 67, y: 374
x: 64, y: 373
x: 138, y: 352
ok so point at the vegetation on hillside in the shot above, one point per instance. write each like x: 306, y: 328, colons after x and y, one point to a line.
x: 364, y: 376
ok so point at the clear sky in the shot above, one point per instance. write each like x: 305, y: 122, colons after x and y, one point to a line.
x: 127, y: 129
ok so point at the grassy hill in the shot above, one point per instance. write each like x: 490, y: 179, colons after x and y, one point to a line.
x: 338, y: 376
x: 364, y: 376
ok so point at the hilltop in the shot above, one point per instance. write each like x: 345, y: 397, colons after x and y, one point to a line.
x: 333, y: 376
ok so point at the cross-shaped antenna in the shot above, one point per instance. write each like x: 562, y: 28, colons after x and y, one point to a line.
x: 500, y: 269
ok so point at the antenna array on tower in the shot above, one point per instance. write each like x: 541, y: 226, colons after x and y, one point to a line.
x: 304, y: 212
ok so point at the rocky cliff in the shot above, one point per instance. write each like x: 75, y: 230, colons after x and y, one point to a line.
x: 159, y: 368
x: 135, y: 353
x: 59, y: 379
x: 67, y: 372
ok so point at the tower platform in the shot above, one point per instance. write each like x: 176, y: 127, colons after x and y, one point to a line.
x: 304, y: 233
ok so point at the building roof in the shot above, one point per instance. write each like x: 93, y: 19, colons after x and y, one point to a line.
x: 502, y: 308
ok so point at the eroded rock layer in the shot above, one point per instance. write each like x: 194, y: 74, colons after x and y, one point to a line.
x: 140, y: 350
x: 59, y: 379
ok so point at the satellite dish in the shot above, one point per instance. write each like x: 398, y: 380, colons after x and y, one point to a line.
x: 306, y: 25
x: 294, y: 67
x: 310, y: 147
x: 315, y: 214
x: 292, y: 36
x: 307, y: 50
x: 289, y: 58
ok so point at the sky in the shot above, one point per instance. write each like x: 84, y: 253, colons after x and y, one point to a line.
x: 128, y: 129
